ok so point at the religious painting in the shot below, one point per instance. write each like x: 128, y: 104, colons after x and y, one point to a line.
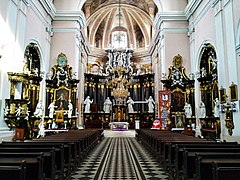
x: 62, y: 96
x: 222, y: 95
x: 59, y: 116
x: 233, y: 92
x: 179, y: 121
x: 178, y: 99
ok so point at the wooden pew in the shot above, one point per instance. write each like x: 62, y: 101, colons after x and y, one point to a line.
x: 225, y: 171
x: 204, y: 163
x: 34, y: 163
x: 189, y: 168
x: 177, y: 168
x: 49, y: 168
x: 59, y: 149
x: 13, y: 172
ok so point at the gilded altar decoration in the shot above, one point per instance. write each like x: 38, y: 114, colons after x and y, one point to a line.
x: 229, y: 119
x: 176, y: 74
x: 61, y: 90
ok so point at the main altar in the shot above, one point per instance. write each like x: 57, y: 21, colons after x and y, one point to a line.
x: 128, y: 86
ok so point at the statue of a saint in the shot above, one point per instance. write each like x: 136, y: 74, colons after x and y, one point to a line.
x: 151, y: 103
x: 202, y: 110
x: 203, y: 72
x: 39, y: 110
x: 51, y: 109
x: 107, y: 106
x: 87, y: 103
x: 130, y: 103
x: 19, y: 110
x: 6, y: 110
x: 70, y: 109
x: 188, y: 110
x: 216, y: 108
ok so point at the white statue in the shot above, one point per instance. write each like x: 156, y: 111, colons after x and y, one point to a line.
x: 51, y: 109
x: 70, y: 109
x: 107, y: 106
x: 188, y: 110
x: 204, y: 72
x: 202, y: 110
x: 19, y: 111
x: 6, y: 110
x: 27, y: 114
x: 130, y: 103
x: 54, y: 125
x: 139, y: 71
x: 39, y: 110
x: 216, y: 108
x: 87, y: 103
x: 41, y: 131
x: 151, y: 103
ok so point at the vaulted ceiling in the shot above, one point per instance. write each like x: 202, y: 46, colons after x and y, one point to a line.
x: 133, y: 17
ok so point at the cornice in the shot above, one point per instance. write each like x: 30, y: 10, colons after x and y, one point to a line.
x: 168, y: 16
x: 71, y: 16
x: 48, y: 7
x: 191, y: 7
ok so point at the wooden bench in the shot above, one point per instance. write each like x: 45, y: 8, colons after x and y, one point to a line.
x: 59, y: 149
x: 49, y: 167
x: 70, y: 149
x: 15, y: 172
x: 225, y: 171
x: 34, y: 163
x: 204, y: 163
x: 189, y: 156
x: 177, y: 168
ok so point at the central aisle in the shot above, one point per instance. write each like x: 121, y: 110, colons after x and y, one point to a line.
x: 119, y: 158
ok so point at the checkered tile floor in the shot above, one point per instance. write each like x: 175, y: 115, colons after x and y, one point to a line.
x: 119, y: 158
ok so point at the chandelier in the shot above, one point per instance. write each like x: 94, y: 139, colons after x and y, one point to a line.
x: 120, y: 74
x: 119, y: 67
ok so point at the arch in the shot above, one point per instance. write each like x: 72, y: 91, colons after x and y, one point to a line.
x: 39, y: 49
x: 206, y: 85
x: 199, y: 52
x: 158, y: 4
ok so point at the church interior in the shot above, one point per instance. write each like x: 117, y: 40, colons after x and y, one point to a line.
x: 150, y: 83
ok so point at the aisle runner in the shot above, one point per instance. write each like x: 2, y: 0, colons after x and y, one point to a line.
x: 119, y: 158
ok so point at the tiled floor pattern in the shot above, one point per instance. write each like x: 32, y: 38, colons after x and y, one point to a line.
x: 119, y: 158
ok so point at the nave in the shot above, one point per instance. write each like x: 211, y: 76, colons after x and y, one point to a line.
x: 119, y: 158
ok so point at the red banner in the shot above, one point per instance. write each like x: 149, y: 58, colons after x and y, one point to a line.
x: 164, y: 106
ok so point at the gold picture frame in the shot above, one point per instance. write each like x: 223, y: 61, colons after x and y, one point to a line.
x: 222, y: 95
x: 62, y: 95
x: 179, y: 121
x: 233, y: 92
x: 59, y: 116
